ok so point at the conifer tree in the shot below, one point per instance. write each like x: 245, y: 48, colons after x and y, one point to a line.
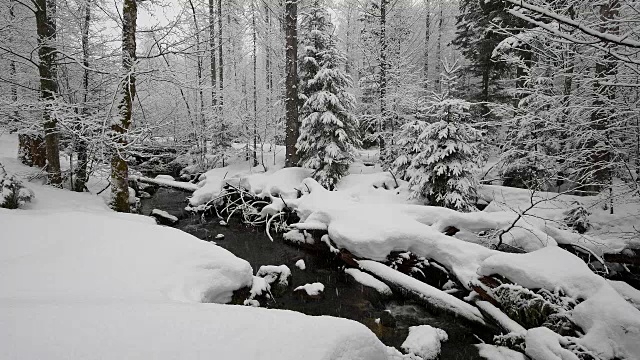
x: 442, y: 172
x: 329, y: 131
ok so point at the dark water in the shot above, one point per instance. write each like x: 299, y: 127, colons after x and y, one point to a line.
x: 342, y: 296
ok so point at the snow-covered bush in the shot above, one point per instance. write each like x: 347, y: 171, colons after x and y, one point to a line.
x: 13, y: 193
x: 329, y: 132
x: 577, y: 218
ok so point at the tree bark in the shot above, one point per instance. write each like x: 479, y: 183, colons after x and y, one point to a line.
x: 13, y: 120
x: 427, y: 38
x: 81, y: 145
x: 120, y: 125
x: 291, y: 82
x: 220, y: 112
x: 600, y: 170
x: 255, y: 86
x: 46, y: 30
x: 383, y: 76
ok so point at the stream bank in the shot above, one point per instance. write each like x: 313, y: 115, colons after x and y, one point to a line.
x: 343, y: 297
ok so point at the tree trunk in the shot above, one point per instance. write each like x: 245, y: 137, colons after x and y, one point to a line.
x: 291, y: 82
x: 600, y: 171
x: 13, y: 119
x: 81, y: 145
x: 439, y: 47
x: 427, y: 36
x: 220, y: 112
x: 383, y: 76
x: 121, y: 124
x: 46, y: 30
x: 255, y: 86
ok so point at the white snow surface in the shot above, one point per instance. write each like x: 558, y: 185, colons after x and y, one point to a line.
x: 109, y: 257
x: 271, y: 273
x: 425, y: 341
x: 301, y: 265
x: 313, y: 289
x: 370, y: 281
x: 612, y: 324
x: 178, y: 331
x: 164, y: 214
x: 492, y: 352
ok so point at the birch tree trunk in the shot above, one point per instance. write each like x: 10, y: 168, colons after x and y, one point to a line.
x: 46, y: 30
x: 291, y: 82
x: 121, y: 123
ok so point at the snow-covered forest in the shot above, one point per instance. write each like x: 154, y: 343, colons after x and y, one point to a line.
x: 320, y: 179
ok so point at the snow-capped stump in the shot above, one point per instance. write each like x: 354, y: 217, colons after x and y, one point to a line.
x: 163, y: 217
x: 219, y: 237
x: 301, y: 265
x: 312, y: 291
x: 425, y: 341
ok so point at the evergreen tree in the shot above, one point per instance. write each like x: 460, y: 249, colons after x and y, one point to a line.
x: 329, y: 130
x: 442, y: 172
x: 408, y: 147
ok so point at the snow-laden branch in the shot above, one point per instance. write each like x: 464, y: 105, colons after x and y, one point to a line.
x: 608, y: 38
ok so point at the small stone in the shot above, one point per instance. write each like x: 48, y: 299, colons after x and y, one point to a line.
x: 145, y: 195
x: 222, y: 223
x: 219, y: 236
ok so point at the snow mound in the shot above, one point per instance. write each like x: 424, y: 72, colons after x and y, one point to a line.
x: 111, y: 257
x: 492, y: 352
x: 314, y: 289
x: 611, y: 324
x: 301, y: 265
x: 271, y: 273
x: 425, y: 341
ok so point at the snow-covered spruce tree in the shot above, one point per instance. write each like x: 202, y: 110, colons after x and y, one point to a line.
x: 329, y: 131
x: 408, y: 147
x: 442, y: 172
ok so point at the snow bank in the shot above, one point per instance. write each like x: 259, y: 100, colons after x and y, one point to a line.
x: 111, y: 257
x: 177, y: 331
x: 611, y: 324
x: 425, y: 341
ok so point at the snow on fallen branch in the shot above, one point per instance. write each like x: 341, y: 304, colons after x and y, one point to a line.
x: 422, y: 291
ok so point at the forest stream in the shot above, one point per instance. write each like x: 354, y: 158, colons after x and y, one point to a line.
x: 343, y: 297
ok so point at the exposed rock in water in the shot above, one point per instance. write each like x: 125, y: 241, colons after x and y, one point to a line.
x: 387, y: 319
x: 163, y: 217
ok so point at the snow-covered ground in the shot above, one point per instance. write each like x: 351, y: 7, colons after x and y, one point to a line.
x: 370, y: 216
x: 81, y: 282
